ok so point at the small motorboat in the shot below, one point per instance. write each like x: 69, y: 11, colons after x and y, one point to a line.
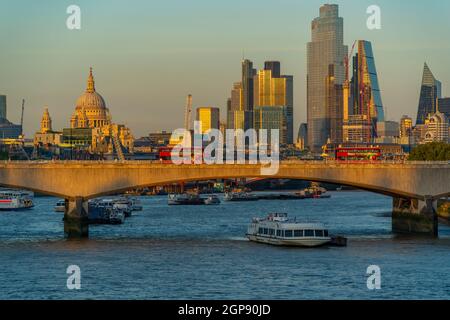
x: 60, y: 206
x: 212, y: 200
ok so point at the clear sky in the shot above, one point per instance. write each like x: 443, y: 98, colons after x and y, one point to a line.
x: 148, y: 55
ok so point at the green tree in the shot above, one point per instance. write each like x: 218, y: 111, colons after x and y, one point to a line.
x: 435, y: 151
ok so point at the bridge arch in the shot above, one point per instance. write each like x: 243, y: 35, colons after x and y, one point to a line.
x: 370, y: 188
x: 34, y: 189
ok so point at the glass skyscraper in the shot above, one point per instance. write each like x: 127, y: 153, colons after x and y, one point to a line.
x: 2, y: 107
x: 276, y: 90
x: 444, y: 107
x: 271, y: 117
x: 366, y: 94
x: 326, y: 48
x: 430, y: 91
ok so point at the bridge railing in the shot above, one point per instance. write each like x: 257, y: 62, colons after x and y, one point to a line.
x: 282, y: 162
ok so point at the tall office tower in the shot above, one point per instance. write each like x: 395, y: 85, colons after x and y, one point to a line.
x: 247, y: 84
x: 228, y: 107
x: 406, y: 127
x: 289, y: 108
x: 2, y: 107
x: 326, y: 47
x: 430, y: 91
x: 209, y: 118
x: 271, y: 117
x: 237, y: 117
x: 444, y: 106
x: 276, y: 91
x: 335, y: 101
x: 237, y: 97
x: 273, y: 66
x: 302, y: 136
x: 367, y: 95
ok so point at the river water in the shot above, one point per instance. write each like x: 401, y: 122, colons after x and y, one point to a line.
x: 200, y: 252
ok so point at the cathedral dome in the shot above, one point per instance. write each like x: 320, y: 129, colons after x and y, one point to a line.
x: 91, y: 110
x: 90, y: 99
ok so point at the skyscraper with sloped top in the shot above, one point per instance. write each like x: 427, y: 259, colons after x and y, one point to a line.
x: 430, y: 91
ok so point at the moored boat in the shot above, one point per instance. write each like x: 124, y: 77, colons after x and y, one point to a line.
x: 16, y: 200
x: 314, y: 192
x: 106, y: 211
x: 240, y: 195
x: 185, y: 199
x: 123, y: 204
x: 278, y: 230
x: 60, y: 206
x: 136, y: 204
x: 212, y: 200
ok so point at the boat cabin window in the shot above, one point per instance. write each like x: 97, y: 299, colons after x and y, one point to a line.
x: 298, y: 233
x: 266, y: 231
x: 309, y: 233
x: 260, y: 231
x: 288, y: 233
x: 326, y: 233
x: 319, y: 233
x: 278, y: 233
x: 271, y: 232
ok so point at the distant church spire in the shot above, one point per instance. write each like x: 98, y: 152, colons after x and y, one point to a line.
x: 91, y: 82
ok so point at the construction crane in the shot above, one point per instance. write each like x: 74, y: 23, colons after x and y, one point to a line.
x: 21, y: 117
x: 188, y: 113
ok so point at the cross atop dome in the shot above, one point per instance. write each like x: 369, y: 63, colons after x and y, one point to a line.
x: 91, y: 82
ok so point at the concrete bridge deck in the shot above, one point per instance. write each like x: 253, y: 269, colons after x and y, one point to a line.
x: 90, y: 179
x: 415, y: 186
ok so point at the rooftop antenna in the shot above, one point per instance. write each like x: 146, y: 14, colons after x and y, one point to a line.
x: 188, y: 113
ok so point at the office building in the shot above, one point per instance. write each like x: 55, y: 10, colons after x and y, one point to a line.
x: 366, y: 95
x: 2, y: 107
x: 276, y: 91
x: 406, y: 126
x: 273, y: 66
x: 248, y: 72
x: 334, y: 99
x: 209, y: 118
x: 388, y: 129
x: 430, y: 92
x: 444, y: 106
x: 437, y: 128
x: 326, y: 48
x: 8, y: 130
x: 302, y: 137
x: 271, y: 117
x: 357, y: 129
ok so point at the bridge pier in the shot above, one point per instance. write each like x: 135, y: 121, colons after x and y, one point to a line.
x: 415, y: 216
x: 76, y: 218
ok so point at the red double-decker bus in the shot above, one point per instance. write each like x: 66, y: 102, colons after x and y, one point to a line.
x: 358, y: 154
x: 165, y: 154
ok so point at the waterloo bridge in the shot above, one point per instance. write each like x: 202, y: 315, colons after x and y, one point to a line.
x: 414, y: 186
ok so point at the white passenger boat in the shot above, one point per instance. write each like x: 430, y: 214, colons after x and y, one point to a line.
x: 16, y: 200
x: 136, y: 204
x: 60, y: 206
x: 277, y: 229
